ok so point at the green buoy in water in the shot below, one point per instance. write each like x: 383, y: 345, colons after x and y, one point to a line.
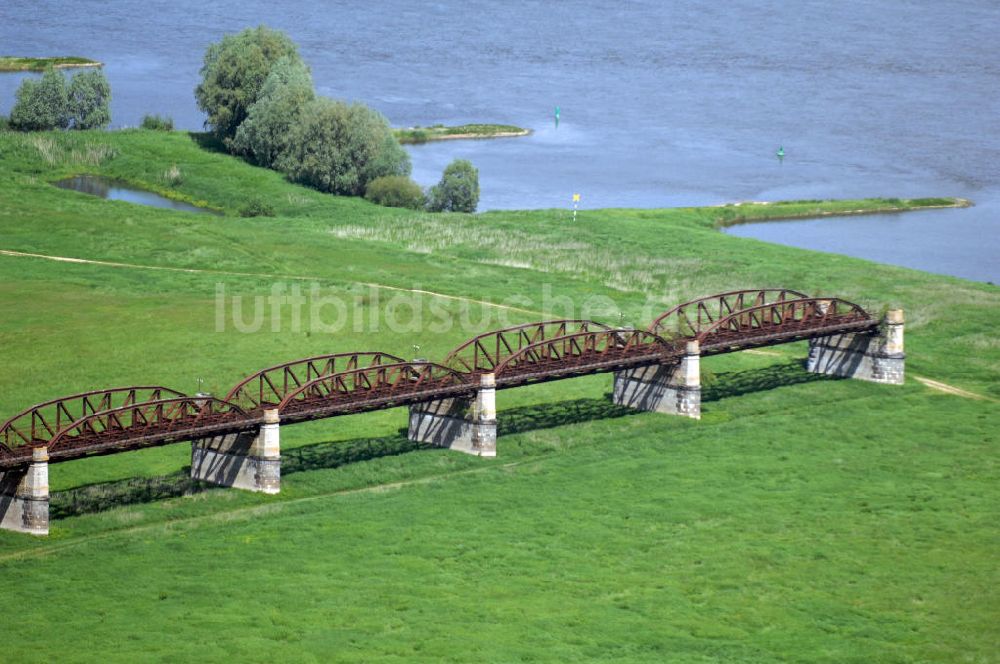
x: 780, y: 153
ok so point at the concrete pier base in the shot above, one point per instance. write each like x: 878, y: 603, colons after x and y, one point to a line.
x: 671, y: 389
x: 250, y: 461
x: 876, y: 357
x: 24, y: 496
x: 464, y: 425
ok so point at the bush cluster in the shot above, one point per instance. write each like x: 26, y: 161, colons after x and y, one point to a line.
x: 261, y: 103
x: 52, y: 103
x: 339, y: 148
x: 395, y: 191
x: 157, y: 122
x: 257, y: 207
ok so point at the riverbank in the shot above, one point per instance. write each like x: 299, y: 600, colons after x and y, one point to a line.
x: 732, y: 214
x: 14, y: 64
x: 416, y: 135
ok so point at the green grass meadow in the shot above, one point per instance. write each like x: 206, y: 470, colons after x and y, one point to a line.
x: 802, y: 519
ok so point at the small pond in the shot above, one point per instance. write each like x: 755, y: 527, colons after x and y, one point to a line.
x: 116, y: 190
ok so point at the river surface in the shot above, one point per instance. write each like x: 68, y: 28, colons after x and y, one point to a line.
x: 662, y: 103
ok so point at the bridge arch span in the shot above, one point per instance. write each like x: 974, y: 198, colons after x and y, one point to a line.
x: 40, y: 423
x: 372, y: 388
x: 581, y: 353
x: 268, y: 387
x: 690, y: 318
x: 146, y: 424
x: 782, y: 322
x: 485, y: 352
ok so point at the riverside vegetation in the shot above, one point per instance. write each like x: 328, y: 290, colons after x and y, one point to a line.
x: 12, y: 63
x: 416, y: 135
x: 803, y: 519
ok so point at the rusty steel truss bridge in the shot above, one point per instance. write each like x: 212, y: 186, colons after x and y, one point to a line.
x: 128, y: 418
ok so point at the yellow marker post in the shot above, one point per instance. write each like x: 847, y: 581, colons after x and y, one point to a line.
x: 576, y: 201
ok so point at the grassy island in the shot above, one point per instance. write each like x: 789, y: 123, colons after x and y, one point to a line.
x: 802, y: 519
x: 754, y: 211
x: 412, y: 135
x: 11, y: 63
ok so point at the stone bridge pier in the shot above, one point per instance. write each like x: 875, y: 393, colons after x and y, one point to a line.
x: 674, y: 389
x: 249, y: 460
x: 465, y: 425
x: 876, y: 357
x: 24, y: 496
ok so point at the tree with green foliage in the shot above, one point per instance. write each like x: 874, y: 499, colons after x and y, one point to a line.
x: 233, y: 74
x: 264, y: 135
x: 89, y: 100
x: 339, y: 148
x: 41, y: 104
x: 458, y: 190
x: 395, y: 191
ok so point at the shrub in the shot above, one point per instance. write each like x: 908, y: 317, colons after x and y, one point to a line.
x: 340, y: 148
x: 157, y: 122
x: 4, y: 123
x: 395, y: 191
x: 257, y: 207
x: 264, y: 135
x: 458, y: 190
x: 173, y: 176
x: 89, y: 100
x: 413, y: 136
x: 233, y: 73
x: 41, y: 104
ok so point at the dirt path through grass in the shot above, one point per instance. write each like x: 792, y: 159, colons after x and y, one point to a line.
x: 262, y: 275
x: 928, y: 382
x: 951, y: 389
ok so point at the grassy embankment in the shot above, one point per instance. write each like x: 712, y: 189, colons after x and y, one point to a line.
x: 12, y: 63
x: 801, y: 519
x: 412, y: 135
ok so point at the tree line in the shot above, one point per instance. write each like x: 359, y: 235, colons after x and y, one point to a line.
x: 260, y: 101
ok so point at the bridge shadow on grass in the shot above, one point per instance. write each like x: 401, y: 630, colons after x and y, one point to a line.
x: 138, y: 490
x: 132, y: 491
x: 737, y: 383
x: 549, y: 415
x: 334, y: 454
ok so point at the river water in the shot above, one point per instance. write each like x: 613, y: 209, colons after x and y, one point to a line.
x: 662, y: 103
